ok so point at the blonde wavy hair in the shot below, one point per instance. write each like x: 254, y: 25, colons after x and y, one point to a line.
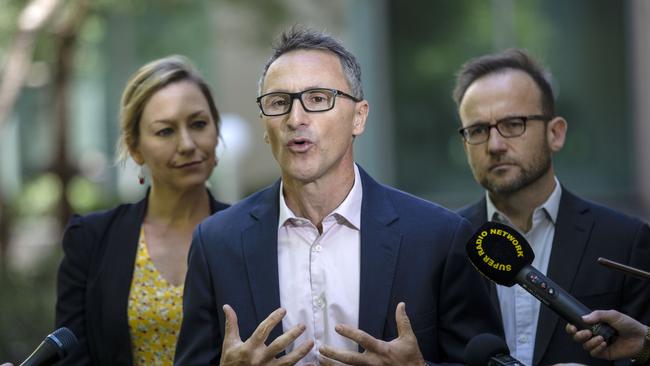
x: 146, y: 82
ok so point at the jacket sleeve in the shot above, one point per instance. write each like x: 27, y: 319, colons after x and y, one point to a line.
x: 465, y: 306
x: 72, y: 282
x: 200, y: 338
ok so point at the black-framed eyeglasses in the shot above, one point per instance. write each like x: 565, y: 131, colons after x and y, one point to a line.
x: 312, y: 100
x: 508, y: 127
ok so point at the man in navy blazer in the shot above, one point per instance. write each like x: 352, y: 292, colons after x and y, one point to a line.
x: 510, y: 132
x: 327, y: 262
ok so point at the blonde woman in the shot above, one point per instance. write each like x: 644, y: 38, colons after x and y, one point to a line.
x: 120, y: 283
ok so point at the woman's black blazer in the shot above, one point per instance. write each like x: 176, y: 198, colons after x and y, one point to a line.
x: 94, y: 281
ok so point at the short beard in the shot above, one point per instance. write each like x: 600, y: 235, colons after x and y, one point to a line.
x: 529, y: 174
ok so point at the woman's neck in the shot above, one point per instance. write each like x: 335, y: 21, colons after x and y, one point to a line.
x: 177, y: 208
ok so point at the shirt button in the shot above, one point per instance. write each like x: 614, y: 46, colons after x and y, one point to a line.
x: 523, y: 339
x: 317, y: 248
x: 319, y: 302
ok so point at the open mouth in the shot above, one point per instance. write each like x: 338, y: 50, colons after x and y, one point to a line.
x: 299, y: 144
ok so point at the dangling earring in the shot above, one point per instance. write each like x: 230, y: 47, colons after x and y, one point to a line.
x: 141, y: 175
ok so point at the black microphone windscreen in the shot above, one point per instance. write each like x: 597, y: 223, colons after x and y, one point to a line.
x: 482, y: 347
x: 65, y: 339
x: 499, y: 252
x: 54, y: 348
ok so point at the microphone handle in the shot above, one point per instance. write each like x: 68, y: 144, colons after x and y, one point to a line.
x: 560, y: 301
x: 504, y: 360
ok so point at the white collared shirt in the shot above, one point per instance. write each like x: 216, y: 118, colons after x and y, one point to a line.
x: 519, y: 309
x: 319, y: 274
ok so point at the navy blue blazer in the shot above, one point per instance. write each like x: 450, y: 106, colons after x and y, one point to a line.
x: 411, y: 250
x: 585, y: 231
x: 94, y: 281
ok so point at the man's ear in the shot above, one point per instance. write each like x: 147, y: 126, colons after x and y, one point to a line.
x: 361, y: 111
x: 556, y: 133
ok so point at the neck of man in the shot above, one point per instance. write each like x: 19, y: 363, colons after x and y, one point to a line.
x: 316, y: 199
x: 173, y: 208
x: 519, y: 206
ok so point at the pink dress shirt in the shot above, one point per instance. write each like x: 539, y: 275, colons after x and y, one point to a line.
x: 319, y: 273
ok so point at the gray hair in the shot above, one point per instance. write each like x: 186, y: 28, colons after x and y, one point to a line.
x: 301, y: 38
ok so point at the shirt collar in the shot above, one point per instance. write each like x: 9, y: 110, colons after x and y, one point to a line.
x: 551, y: 206
x: 349, y: 209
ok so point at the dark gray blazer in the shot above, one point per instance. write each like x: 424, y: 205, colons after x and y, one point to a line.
x: 585, y: 231
x: 411, y: 251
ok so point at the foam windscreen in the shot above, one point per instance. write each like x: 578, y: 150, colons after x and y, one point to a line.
x: 499, y: 252
x: 482, y: 348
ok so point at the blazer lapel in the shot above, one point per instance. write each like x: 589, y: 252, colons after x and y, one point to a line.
x: 380, y: 243
x: 109, y: 288
x: 260, y: 247
x: 116, y: 274
x: 475, y: 213
x: 573, y: 226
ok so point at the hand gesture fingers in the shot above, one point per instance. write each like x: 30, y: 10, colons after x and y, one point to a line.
x: 280, y: 343
x: 324, y: 361
x: 263, y: 330
x: 231, y: 335
x: 403, y: 350
x: 254, y: 351
x: 297, y: 354
x: 362, y: 338
x: 346, y: 357
x: 403, y: 323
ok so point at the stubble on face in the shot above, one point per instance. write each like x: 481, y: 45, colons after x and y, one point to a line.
x: 527, y: 172
x: 506, y: 165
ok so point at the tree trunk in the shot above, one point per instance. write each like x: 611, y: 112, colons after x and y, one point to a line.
x: 67, y: 37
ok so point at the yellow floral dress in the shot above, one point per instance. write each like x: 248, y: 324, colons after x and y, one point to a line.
x: 154, y: 311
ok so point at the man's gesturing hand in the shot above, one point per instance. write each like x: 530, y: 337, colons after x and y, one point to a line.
x: 402, y: 350
x: 254, y: 351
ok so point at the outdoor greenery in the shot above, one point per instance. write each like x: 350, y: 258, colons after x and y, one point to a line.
x: 583, y: 47
x: 582, y: 41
